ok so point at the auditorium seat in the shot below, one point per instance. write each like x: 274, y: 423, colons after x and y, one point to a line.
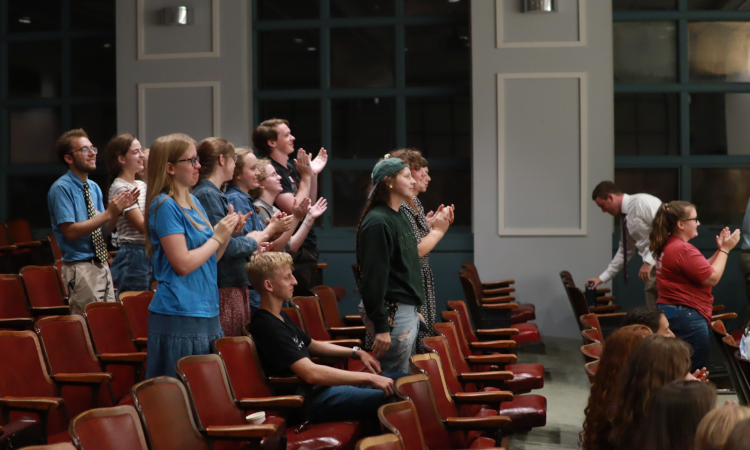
x: 44, y: 291
x: 13, y: 312
x: 744, y: 368
x: 20, y: 233
x: 329, y: 305
x: 486, y: 312
x: 590, y: 369
x: 719, y: 332
x: 591, y: 320
x: 111, y: 428
x: 521, y: 333
x: 388, y: 441
x: 218, y: 413
x: 20, y: 433
x: 252, y: 390
x: 136, y: 308
x: 28, y: 391
x: 62, y: 446
x: 523, y: 313
x: 56, y: 252
x: 591, y: 352
x: 23, y: 253
x: 609, y: 320
x: 316, y: 328
x: 59, y: 267
x: 590, y: 336
x: 7, y: 262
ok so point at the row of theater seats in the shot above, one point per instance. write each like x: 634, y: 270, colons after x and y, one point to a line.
x: 18, y: 248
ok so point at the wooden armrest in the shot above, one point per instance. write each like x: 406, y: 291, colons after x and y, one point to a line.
x: 611, y: 316
x: 21, y: 323
x: 497, y: 284
x: 8, y: 248
x: 492, y: 359
x: 501, y: 306
x: 346, y: 342
x: 483, y: 397
x: 504, y: 290
x: 271, y: 403
x: 605, y: 298
x: 492, y: 344
x: 605, y: 308
x: 487, y: 376
x: 347, y: 330
x: 32, y: 403
x: 725, y: 316
x: 603, y: 291
x: 141, y: 342
x: 241, y: 431
x: 322, y: 265
x: 63, y: 310
x: 354, y: 319
x: 478, y: 423
x: 505, y: 299
x: 498, y: 332
x: 29, y: 244
x: 286, y: 381
x: 717, y: 308
x: 123, y: 357
x: 88, y: 378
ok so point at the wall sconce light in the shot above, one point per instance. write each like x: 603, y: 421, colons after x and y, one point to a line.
x: 539, y: 6
x: 177, y: 15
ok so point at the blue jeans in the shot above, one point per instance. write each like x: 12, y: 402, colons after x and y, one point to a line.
x: 403, y: 338
x: 131, y: 269
x: 687, y: 324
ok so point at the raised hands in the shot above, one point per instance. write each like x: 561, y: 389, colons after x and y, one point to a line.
x: 726, y: 240
x: 279, y: 223
x: 303, y: 163
x: 262, y: 248
x: 122, y: 201
x: 318, y: 208
x: 319, y: 163
x: 226, y: 226
x: 300, y: 208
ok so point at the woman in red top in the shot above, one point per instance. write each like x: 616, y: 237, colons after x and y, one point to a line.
x: 684, y: 277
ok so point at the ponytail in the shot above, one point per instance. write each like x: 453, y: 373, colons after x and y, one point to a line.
x: 380, y: 195
x: 665, y: 222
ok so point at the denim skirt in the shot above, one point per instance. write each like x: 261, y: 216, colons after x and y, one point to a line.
x: 173, y: 337
x: 131, y: 269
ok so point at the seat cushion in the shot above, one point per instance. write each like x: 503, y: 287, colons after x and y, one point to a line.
x: 737, y: 334
x: 325, y: 436
x: 127, y: 400
x: 527, y: 332
x: 526, y: 411
x: 523, y: 313
x: 525, y: 377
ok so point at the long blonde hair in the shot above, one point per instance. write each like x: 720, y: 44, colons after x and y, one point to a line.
x: 167, y: 149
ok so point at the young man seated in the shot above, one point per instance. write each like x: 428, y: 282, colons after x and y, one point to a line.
x: 285, y: 351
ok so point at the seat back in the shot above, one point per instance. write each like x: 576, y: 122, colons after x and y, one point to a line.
x: 388, y: 441
x: 116, y: 428
x: 243, y: 366
x: 591, y: 352
x: 439, y: 346
x: 401, y: 419
x: 19, y: 230
x: 459, y: 306
x: 448, y: 331
x: 58, y: 266
x: 577, y: 303
x: 472, y: 290
x: 567, y: 279
x: 296, y: 316
x: 430, y: 365
x: 136, y: 308
x: 42, y: 286
x: 591, y: 320
x: 719, y: 333
x: 56, y: 252
x: 329, y: 305
x: 12, y: 297
x: 109, y: 327
x: 164, y: 408
x: 590, y: 336
x: 455, y: 319
x: 208, y: 388
x: 312, y: 317
x: 590, y: 369
x: 731, y: 347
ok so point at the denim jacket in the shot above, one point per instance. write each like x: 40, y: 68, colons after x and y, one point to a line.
x: 231, y: 267
x: 243, y: 203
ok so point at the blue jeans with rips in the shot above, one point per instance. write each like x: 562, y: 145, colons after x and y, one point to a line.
x: 403, y: 338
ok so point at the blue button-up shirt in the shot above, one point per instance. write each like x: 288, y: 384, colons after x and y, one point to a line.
x: 67, y: 204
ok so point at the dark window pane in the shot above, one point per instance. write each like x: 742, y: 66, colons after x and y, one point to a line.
x: 645, y: 52
x: 362, y: 8
x: 93, y: 14
x: 439, y: 126
x: 727, y: 5
x: 93, y: 66
x: 646, y: 124
x: 720, y: 194
x: 27, y: 198
x: 289, y: 59
x: 33, y: 15
x: 643, y: 5
x: 33, y: 132
x: 661, y: 183
x: 438, y: 55
x: 288, y: 9
x: 303, y: 117
x: 34, y: 69
x: 100, y: 123
x: 349, y: 195
x: 363, y: 127
x: 450, y: 187
x: 718, y: 51
x: 362, y: 57
x: 718, y: 124
x: 437, y: 7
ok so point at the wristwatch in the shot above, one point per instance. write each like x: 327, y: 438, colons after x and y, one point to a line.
x: 355, y: 349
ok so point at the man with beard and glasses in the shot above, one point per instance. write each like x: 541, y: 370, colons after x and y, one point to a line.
x: 81, y: 223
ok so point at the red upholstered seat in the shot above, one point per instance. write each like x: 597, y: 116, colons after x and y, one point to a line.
x: 136, y: 308
x: 591, y: 352
x: 520, y: 314
x: 316, y: 328
x: 527, y: 332
x: 521, y: 333
x: 44, y: 290
x: 737, y: 334
x: 13, y: 312
x: 387, y: 441
x: 591, y: 370
x: 328, y: 298
x: 108, y: 429
x: 523, y: 313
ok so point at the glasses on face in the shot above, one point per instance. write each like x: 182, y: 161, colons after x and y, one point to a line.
x: 193, y: 161
x: 694, y: 218
x: 87, y: 151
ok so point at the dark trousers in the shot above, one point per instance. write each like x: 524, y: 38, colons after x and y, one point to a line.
x: 306, y: 271
x: 687, y: 324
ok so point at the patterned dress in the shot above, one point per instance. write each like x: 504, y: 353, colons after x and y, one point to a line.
x: 421, y: 229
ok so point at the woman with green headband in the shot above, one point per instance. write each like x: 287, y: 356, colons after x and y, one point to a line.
x: 390, y: 273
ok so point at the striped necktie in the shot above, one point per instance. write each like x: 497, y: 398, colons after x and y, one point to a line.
x: 96, y: 237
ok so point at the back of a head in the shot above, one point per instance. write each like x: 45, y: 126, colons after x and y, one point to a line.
x: 739, y: 438
x: 604, y: 189
x: 715, y: 428
x: 674, y: 414
x: 649, y: 317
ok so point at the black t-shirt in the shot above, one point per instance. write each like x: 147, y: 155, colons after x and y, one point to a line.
x: 290, y: 180
x: 280, y: 344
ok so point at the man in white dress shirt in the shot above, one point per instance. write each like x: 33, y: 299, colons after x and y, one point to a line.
x: 637, y: 212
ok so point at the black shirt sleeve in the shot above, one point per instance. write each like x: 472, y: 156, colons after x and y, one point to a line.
x: 280, y: 344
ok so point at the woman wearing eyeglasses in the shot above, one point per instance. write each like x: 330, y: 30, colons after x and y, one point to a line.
x: 684, y: 277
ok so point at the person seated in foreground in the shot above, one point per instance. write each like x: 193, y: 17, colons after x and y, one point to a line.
x: 651, y: 317
x: 285, y: 351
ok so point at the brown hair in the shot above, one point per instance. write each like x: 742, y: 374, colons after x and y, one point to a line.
x: 716, y: 426
x: 267, y: 131
x: 209, y: 151
x: 654, y: 361
x: 239, y: 166
x: 262, y: 175
x: 167, y: 149
x: 674, y: 415
x: 596, y: 427
x: 64, y: 143
x: 739, y: 437
x: 603, y: 190
x: 665, y: 222
x: 412, y: 157
x: 117, y: 146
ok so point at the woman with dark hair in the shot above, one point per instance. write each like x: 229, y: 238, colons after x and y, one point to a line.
x: 132, y: 270
x: 684, y: 277
x: 596, y: 426
x: 651, y: 317
x: 427, y: 234
x: 674, y: 415
x: 390, y: 274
